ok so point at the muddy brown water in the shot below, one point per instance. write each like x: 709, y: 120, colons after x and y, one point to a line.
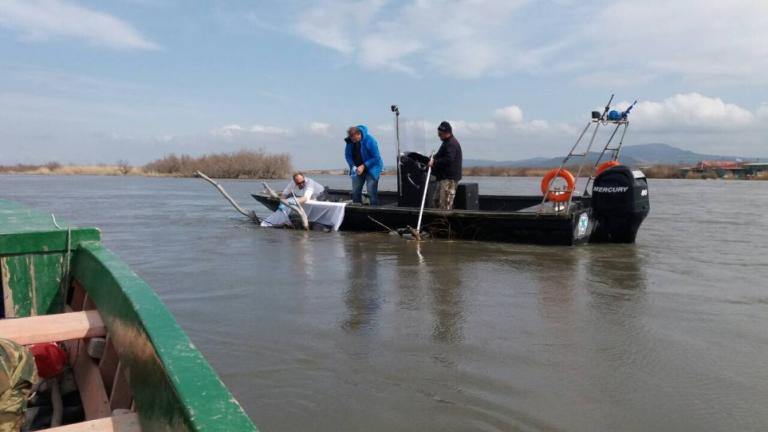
x: 367, y: 332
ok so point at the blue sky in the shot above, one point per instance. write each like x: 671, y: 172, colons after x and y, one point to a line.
x: 94, y: 81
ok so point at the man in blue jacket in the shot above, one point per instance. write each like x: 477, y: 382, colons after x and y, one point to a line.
x: 365, y: 163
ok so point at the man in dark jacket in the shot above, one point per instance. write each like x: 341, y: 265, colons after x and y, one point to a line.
x: 446, y: 166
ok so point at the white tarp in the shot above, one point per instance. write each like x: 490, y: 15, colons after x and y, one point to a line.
x: 323, y: 212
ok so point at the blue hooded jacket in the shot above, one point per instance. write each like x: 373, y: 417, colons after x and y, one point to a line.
x: 369, y: 150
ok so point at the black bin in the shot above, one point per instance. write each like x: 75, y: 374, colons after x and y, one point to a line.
x: 467, y: 197
x: 413, y: 174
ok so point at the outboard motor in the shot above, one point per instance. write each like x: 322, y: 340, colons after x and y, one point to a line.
x: 413, y: 174
x: 620, y: 203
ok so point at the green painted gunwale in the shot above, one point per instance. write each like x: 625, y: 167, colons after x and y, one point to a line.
x: 173, y: 385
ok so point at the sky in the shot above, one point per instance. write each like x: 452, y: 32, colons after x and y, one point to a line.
x: 99, y: 81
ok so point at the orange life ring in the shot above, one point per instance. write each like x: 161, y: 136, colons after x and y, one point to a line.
x: 558, y: 196
x: 606, y: 165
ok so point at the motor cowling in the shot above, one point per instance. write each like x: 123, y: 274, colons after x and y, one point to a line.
x: 413, y: 178
x: 620, y: 203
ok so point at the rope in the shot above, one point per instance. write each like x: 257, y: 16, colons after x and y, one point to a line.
x: 54, y: 221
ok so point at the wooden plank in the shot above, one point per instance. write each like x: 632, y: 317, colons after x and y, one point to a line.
x: 119, y: 423
x: 108, y: 364
x: 53, y: 328
x: 121, y: 397
x: 89, y: 383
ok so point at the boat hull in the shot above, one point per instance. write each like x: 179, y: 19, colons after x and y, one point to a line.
x: 499, y: 218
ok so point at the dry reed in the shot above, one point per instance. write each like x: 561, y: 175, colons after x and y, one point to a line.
x: 240, y: 164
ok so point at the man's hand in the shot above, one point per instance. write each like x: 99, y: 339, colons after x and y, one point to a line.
x: 360, y: 169
x: 431, y: 163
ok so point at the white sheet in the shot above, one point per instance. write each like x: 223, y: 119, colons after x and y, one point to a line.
x: 324, y: 212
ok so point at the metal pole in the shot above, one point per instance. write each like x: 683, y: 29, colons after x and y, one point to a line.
x: 621, y: 141
x: 600, y: 157
x: 396, y: 110
x: 586, y: 155
x: 424, y: 196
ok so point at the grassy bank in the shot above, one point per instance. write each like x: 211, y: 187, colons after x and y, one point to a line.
x: 55, y: 168
x: 241, y: 164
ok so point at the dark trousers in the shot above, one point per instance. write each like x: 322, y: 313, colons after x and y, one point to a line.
x: 371, y: 185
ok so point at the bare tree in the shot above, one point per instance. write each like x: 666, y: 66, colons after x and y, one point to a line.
x: 124, y: 167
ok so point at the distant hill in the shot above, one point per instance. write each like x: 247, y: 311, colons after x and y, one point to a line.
x: 634, y: 155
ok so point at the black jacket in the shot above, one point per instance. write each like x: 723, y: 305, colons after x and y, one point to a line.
x: 448, y: 159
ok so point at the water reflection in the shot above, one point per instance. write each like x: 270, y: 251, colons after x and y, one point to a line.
x: 304, y: 257
x: 554, y: 271
x: 362, y: 297
x: 447, y: 294
x: 615, y: 267
x: 427, y: 276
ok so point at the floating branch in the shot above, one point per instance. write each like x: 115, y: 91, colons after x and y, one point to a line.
x: 249, y: 214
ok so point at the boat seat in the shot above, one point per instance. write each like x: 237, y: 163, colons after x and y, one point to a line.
x: 53, y: 328
x: 119, y: 423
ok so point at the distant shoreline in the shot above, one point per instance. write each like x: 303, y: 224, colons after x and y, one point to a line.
x: 653, y: 172
x: 258, y: 164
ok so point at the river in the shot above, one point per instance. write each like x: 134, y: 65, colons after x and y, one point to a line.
x: 368, y: 332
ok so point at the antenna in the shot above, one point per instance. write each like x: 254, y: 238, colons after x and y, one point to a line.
x: 395, y: 109
x: 607, y: 107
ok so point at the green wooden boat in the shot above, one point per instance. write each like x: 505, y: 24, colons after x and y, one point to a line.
x: 61, y: 285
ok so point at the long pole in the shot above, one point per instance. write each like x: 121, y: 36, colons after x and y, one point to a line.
x: 424, y: 196
x: 396, y: 110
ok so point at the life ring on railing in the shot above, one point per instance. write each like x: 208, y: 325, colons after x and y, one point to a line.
x: 558, y: 196
x: 606, y: 165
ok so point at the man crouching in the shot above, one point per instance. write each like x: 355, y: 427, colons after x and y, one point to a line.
x: 297, y: 192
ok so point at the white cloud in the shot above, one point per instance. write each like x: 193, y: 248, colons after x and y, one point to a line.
x: 227, y: 131
x: 47, y: 19
x: 464, y: 39
x: 511, y: 114
x: 269, y: 130
x: 473, y: 128
x: 706, y: 41
x: 319, y: 128
x: 701, y: 40
x: 512, y: 117
x: 237, y: 130
x: 334, y: 24
x: 690, y: 112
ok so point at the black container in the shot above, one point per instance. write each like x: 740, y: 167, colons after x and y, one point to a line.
x: 467, y: 197
x: 620, y: 203
x: 413, y: 174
